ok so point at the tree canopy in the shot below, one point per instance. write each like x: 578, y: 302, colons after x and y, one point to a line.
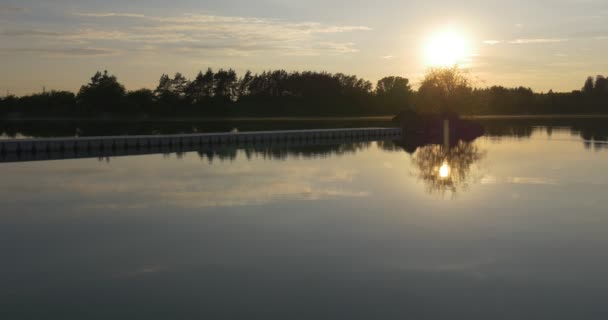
x: 444, y: 90
x: 102, y: 92
x: 223, y: 93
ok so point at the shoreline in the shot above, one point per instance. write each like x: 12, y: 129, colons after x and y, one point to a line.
x: 300, y: 119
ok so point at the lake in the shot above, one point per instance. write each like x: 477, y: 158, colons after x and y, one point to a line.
x: 510, y: 226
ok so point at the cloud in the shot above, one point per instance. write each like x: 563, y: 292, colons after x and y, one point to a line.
x: 537, y: 41
x: 191, y: 33
x: 241, y: 35
x: 336, y: 47
x: 78, y: 52
x: 525, y: 41
x: 111, y: 14
x: 29, y: 33
x: 388, y: 57
x: 8, y: 9
x: 87, y: 35
x: 492, y: 42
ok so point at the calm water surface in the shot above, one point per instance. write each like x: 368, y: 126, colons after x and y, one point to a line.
x: 511, y: 226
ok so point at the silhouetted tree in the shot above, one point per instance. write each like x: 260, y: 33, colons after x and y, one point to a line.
x: 245, y: 84
x: 226, y: 85
x: 601, y: 85
x: 306, y: 93
x: 444, y: 90
x: 179, y: 85
x: 140, y: 100
x: 589, y: 85
x: 172, y: 91
x: 393, y: 93
x: 103, y: 92
x: 197, y: 90
x: 164, y: 86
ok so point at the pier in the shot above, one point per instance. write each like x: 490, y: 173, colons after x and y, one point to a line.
x: 17, y: 150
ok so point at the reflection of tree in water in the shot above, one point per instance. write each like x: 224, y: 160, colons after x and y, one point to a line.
x: 446, y: 170
x: 594, y: 132
x: 284, y: 152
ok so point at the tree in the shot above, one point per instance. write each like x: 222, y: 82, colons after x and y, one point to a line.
x: 245, y: 84
x: 444, y: 90
x: 589, y: 85
x: 172, y: 90
x: 103, y: 92
x: 202, y: 87
x: 163, y: 90
x: 194, y: 92
x: 226, y: 84
x: 393, y: 93
x: 393, y: 86
x: 601, y: 85
x: 179, y: 85
x: 140, y: 100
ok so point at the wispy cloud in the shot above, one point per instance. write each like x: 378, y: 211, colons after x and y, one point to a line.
x: 537, y: 41
x: 73, y: 52
x: 492, y: 42
x: 525, y: 41
x: 29, y: 33
x: 214, y: 34
x: 9, y: 9
x: 111, y: 14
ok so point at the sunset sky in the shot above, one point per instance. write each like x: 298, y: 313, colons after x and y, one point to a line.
x: 543, y: 44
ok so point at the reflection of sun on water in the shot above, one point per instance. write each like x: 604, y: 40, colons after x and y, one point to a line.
x: 446, y: 49
x: 444, y: 170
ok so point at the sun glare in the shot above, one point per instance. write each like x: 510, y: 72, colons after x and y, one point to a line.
x: 446, y: 49
x: 444, y: 170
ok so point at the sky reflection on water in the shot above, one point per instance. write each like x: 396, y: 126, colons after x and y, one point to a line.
x: 354, y: 231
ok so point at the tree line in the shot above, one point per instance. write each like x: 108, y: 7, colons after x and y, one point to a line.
x: 223, y: 93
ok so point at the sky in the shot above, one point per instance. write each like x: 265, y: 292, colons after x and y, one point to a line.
x: 59, y: 44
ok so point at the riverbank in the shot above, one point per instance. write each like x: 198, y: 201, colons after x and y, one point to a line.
x: 80, y: 127
x: 296, y: 119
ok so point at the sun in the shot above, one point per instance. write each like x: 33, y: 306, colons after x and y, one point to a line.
x: 446, y: 49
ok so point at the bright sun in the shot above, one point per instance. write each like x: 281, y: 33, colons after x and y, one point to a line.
x: 446, y: 49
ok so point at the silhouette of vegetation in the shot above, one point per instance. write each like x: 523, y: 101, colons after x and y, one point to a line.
x: 103, y: 93
x: 444, y: 90
x: 223, y: 93
x: 393, y: 93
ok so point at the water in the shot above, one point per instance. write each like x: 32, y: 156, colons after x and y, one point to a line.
x: 515, y: 229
